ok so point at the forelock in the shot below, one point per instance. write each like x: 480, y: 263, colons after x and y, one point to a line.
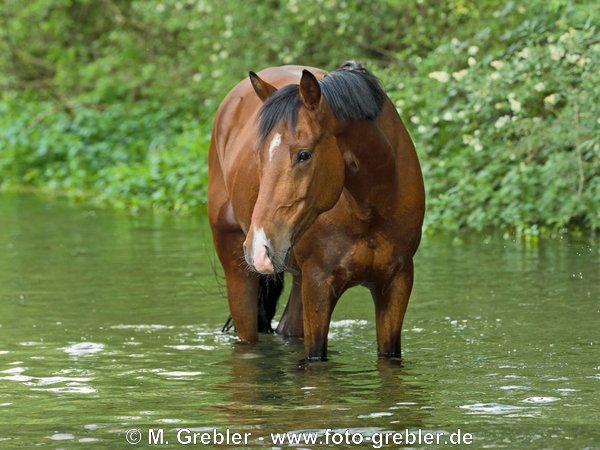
x: 352, y: 93
x: 282, y: 106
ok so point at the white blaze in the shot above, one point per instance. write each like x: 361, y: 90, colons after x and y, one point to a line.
x: 275, y: 142
x: 261, y: 261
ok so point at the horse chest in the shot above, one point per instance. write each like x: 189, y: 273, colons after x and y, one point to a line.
x: 367, y: 259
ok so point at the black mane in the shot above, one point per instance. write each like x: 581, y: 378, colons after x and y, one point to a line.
x: 352, y: 92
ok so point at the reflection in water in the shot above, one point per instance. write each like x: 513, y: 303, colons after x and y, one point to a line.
x: 109, y: 322
x: 270, y: 384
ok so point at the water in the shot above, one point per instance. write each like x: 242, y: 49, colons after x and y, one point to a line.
x: 109, y: 323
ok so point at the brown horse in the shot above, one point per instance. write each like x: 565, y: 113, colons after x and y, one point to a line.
x: 320, y: 179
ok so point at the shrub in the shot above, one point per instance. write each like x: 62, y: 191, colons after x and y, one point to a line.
x: 113, y: 100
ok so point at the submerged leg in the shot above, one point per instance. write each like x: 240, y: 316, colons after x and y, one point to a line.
x: 242, y: 285
x: 318, y: 301
x: 390, y: 306
x: 290, y: 324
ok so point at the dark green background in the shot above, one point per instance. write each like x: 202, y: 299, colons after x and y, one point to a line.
x: 113, y: 100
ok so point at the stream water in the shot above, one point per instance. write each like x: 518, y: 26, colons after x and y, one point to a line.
x: 110, y: 322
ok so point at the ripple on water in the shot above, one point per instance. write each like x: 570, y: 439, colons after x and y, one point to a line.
x: 14, y: 370
x: 45, y: 381
x: 347, y: 323
x: 180, y: 375
x: 342, y: 328
x: 73, y: 385
x: 192, y: 347
x: 143, y: 327
x: 84, y: 348
x: 72, y: 388
x: 224, y: 338
x: 375, y: 415
x: 249, y: 355
x: 541, y: 400
x: 61, y: 437
x: 19, y: 378
x: 490, y: 408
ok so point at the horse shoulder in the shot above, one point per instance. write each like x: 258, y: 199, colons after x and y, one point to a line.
x: 233, y: 143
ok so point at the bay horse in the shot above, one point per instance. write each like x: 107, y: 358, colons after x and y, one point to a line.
x: 314, y: 173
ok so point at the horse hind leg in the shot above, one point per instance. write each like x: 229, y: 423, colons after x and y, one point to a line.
x: 391, y: 302
x: 291, y: 324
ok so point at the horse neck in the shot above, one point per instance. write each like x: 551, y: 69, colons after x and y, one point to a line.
x: 370, y: 165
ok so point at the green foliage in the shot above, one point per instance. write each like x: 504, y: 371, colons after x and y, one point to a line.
x: 113, y: 99
x: 509, y: 123
x: 132, y: 156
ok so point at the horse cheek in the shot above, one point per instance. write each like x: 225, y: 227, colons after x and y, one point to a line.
x: 331, y: 181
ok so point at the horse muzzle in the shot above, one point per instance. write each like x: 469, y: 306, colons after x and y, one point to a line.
x: 260, y: 255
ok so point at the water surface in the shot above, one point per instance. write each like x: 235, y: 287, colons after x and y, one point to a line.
x: 110, y: 322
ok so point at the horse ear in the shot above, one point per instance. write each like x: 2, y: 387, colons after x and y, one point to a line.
x: 310, y: 91
x: 263, y: 89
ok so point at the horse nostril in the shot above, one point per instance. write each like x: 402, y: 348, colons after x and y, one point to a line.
x: 269, y: 253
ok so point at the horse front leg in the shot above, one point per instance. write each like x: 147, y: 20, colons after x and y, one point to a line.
x: 391, y: 301
x: 242, y: 284
x: 318, y: 301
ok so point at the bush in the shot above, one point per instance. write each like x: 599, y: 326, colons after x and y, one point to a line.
x: 133, y: 156
x: 113, y: 100
x: 508, y: 124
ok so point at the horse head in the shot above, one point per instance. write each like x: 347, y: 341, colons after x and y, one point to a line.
x: 301, y: 169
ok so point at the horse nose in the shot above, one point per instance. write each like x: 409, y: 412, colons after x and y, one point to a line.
x: 260, y: 254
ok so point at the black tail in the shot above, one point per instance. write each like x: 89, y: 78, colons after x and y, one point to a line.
x: 268, y: 293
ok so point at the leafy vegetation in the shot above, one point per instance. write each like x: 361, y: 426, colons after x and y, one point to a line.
x: 113, y: 99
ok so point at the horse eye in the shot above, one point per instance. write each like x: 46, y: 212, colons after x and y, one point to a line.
x: 304, y: 155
